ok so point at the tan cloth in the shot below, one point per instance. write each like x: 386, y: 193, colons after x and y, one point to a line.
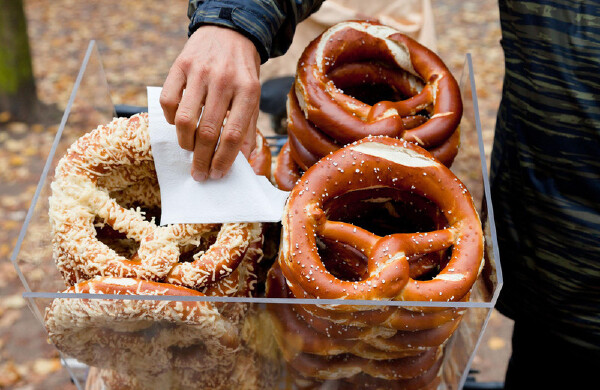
x: 412, y: 17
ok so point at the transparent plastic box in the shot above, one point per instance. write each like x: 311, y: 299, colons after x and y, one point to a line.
x: 260, y: 343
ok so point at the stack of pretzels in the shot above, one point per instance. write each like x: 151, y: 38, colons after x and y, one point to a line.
x: 379, y: 219
x: 103, y: 209
x: 361, y: 78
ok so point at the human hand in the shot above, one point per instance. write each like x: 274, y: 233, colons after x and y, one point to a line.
x: 218, y: 68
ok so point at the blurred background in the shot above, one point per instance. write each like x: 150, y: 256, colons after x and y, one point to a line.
x: 42, y: 44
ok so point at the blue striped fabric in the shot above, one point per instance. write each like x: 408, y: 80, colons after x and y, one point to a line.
x: 545, y: 171
x: 270, y: 24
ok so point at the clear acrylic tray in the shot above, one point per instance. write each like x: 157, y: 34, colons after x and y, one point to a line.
x: 264, y: 349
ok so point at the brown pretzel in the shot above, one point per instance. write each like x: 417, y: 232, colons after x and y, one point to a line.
x: 118, y: 156
x: 287, y: 173
x: 315, y: 141
x: 307, y: 333
x: 343, y: 118
x: 382, y: 338
x: 390, y: 317
x: 350, y: 75
x: 381, y: 162
x: 299, y: 337
x: 429, y: 380
x: 344, y: 365
x: 260, y: 158
x: 318, y: 144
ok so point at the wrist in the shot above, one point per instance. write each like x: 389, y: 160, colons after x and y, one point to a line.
x: 247, y: 46
x: 243, y: 21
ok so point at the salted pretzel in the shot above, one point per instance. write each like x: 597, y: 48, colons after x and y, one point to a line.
x: 309, y: 144
x: 347, y: 119
x: 429, y: 380
x: 302, y: 332
x: 114, y: 159
x: 382, y: 337
x: 372, y: 163
x: 345, y: 365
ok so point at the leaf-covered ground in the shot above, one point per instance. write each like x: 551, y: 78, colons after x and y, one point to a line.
x: 138, y: 41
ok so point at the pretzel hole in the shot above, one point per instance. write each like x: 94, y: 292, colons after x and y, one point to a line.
x: 385, y: 211
x: 428, y: 266
x: 382, y: 211
x: 365, y: 86
x: 115, y: 240
x: 189, y: 251
x: 118, y: 241
x: 143, y: 196
x: 342, y: 260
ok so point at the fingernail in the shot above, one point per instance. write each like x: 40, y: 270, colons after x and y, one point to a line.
x: 199, y: 176
x: 215, y: 174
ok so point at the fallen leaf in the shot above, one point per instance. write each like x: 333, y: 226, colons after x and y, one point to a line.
x: 9, y: 318
x: 38, y: 128
x: 46, y: 366
x: 18, y: 127
x: 17, y: 161
x: 13, y: 302
x: 4, y: 249
x: 9, y: 375
x: 30, y: 151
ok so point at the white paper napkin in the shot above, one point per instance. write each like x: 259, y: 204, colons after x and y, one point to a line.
x: 240, y: 196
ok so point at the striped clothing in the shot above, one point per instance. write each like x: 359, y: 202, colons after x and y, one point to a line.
x: 545, y: 171
x: 269, y: 24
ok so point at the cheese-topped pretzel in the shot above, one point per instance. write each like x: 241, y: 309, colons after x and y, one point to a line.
x: 139, y: 334
x: 242, y: 281
x: 156, y: 343
x: 347, y: 119
x: 372, y: 163
x: 114, y: 159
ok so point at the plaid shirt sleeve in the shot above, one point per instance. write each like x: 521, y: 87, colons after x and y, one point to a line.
x: 269, y: 24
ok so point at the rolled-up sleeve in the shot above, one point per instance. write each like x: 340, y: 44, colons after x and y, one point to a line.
x: 269, y: 24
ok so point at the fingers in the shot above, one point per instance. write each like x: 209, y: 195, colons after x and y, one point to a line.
x: 243, y: 107
x: 188, y: 113
x: 218, y: 68
x: 249, y: 143
x: 209, y: 130
x: 171, y: 92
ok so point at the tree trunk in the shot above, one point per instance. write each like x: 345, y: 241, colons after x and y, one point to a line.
x: 17, y: 84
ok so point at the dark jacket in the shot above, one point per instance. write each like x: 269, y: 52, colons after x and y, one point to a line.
x: 269, y: 24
